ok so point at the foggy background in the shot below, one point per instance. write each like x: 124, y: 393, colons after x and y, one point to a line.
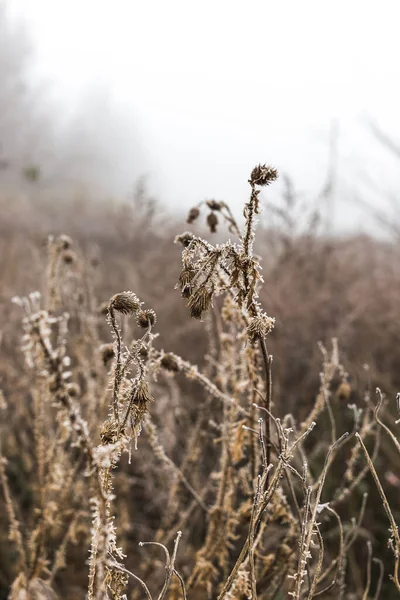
x: 192, y: 95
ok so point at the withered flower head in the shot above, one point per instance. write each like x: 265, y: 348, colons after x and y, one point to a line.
x: 146, y: 318
x: 126, y: 303
x: 259, y: 327
x: 142, y: 395
x: 186, y: 275
x: 212, y: 222
x: 184, y: 238
x: 107, y: 353
x: 169, y: 363
x: 185, y: 279
x: 193, y: 214
x: 263, y: 175
x: 109, y: 431
x: 214, y: 205
x: 199, y: 301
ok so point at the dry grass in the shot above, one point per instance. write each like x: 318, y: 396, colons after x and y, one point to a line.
x: 139, y: 416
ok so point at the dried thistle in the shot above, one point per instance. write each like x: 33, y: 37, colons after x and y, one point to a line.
x: 146, y: 318
x: 263, y: 175
x: 187, y: 275
x: 109, y: 432
x: 169, y: 362
x: 185, y: 239
x: 126, y: 303
x: 142, y: 395
x: 199, y: 301
x: 214, y: 205
x: 193, y: 215
x: 212, y: 222
x: 259, y: 327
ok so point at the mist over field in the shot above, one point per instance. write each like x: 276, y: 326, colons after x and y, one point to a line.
x: 189, y: 97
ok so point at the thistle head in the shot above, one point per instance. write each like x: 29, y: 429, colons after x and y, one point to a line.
x: 127, y: 303
x: 146, y: 318
x: 193, y: 215
x: 212, y: 222
x: 259, y: 327
x: 199, y: 301
x: 263, y: 175
x: 169, y: 363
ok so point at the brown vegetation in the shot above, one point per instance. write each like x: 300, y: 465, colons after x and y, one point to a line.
x: 124, y: 420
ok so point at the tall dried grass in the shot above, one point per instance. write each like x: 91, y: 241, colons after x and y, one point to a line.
x: 124, y: 421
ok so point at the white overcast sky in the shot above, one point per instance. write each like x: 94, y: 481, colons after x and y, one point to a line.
x: 218, y: 85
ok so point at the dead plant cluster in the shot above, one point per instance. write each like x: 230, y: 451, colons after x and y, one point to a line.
x: 128, y: 471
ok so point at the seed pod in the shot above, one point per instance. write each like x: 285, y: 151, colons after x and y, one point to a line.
x: 263, y: 175
x: 184, y: 239
x: 142, y: 395
x: 126, y: 303
x: 199, y: 301
x: 214, y: 205
x: 146, y: 318
x: 212, y: 222
x: 193, y: 214
x: 185, y: 279
x: 169, y: 363
x: 108, y: 433
x: 259, y: 327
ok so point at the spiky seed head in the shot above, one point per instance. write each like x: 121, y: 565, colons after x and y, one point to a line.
x: 187, y: 275
x: 187, y: 291
x: 146, y: 318
x: 169, y: 363
x: 263, y: 175
x: 193, y: 214
x: 107, y: 353
x: 184, y: 239
x: 212, y: 222
x: 142, y: 395
x: 109, y: 432
x: 259, y: 327
x: 199, y: 302
x: 126, y: 303
x: 185, y: 279
x: 214, y: 205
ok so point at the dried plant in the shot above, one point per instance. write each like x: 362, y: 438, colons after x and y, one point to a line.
x: 123, y: 440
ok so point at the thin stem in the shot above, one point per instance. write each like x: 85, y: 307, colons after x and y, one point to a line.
x: 393, y: 526
x: 267, y: 400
